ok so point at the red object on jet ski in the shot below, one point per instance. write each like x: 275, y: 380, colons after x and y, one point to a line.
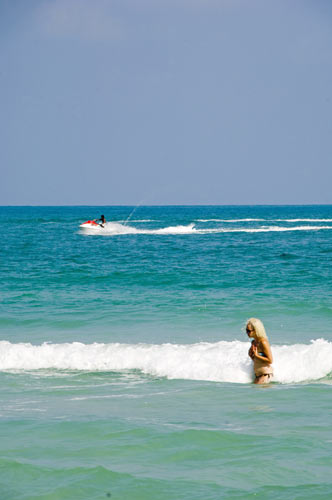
x: 89, y: 224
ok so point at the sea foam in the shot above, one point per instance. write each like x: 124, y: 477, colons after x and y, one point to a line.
x: 115, y: 229
x: 264, y: 220
x: 220, y: 362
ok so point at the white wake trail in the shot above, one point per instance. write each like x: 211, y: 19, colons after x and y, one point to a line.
x: 118, y: 229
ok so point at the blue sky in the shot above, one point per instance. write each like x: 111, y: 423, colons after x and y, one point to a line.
x: 165, y: 102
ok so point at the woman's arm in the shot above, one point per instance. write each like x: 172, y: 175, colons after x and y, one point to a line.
x: 251, y: 350
x: 266, y: 349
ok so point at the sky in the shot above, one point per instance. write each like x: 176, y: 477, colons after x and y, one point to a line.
x: 157, y: 102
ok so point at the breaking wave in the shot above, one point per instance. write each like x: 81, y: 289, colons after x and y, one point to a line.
x: 220, y: 362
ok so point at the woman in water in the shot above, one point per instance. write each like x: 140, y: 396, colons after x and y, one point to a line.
x: 260, y: 351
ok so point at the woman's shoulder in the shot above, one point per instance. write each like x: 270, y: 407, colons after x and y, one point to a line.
x: 264, y: 342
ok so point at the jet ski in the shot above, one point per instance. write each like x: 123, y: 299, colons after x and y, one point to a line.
x: 91, y: 224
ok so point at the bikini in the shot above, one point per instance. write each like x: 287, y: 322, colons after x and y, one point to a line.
x: 269, y: 375
x: 262, y: 368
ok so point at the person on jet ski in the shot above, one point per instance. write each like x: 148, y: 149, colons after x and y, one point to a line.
x: 101, y: 221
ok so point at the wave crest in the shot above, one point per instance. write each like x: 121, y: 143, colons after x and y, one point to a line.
x: 220, y: 362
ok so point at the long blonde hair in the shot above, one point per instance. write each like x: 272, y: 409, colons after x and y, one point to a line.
x: 259, y: 330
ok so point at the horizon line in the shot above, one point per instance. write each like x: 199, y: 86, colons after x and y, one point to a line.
x: 177, y: 205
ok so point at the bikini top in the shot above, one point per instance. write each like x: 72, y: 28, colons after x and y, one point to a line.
x: 261, y: 353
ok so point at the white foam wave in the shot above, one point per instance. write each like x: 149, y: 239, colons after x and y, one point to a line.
x: 265, y: 220
x: 229, y: 220
x: 221, y: 362
x: 303, y: 220
x: 264, y: 229
x: 190, y: 228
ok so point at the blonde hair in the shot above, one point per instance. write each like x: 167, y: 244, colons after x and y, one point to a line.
x: 259, y: 330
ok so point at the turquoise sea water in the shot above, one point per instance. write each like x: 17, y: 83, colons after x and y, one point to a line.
x: 123, y: 358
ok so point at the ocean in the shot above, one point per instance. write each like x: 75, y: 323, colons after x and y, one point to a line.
x: 123, y: 355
